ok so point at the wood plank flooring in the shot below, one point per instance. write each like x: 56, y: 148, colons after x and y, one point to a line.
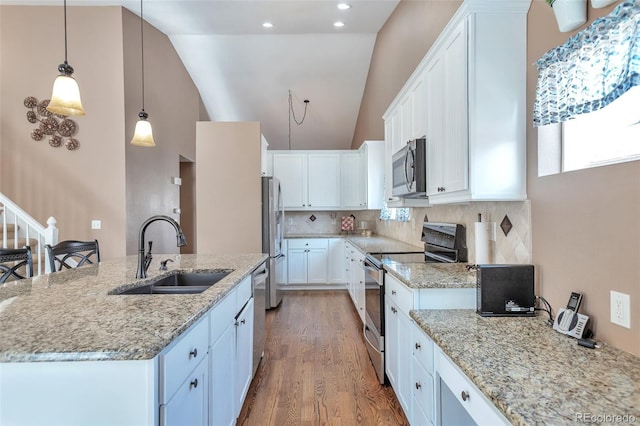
x: 316, y: 370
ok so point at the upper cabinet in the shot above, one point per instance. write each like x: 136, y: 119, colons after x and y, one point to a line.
x: 468, y: 97
x: 331, y: 180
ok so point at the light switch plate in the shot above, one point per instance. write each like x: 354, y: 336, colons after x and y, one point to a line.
x: 621, y: 309
x: 96, y: 224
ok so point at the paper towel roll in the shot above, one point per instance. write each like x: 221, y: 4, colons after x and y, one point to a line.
x: 485, y: 241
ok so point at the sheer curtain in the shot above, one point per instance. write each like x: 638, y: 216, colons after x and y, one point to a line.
x: 592, y: 69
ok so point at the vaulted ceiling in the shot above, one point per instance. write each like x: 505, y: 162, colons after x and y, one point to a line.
x: 245, y: 72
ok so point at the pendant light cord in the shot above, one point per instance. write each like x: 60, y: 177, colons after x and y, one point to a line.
x: 293, y: 113
x: 65, y: 32
x: 142, y: 50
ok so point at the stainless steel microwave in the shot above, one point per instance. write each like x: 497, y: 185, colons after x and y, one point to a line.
x: 409, y: 170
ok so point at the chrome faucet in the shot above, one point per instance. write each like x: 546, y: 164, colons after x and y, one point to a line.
x: 145, y: 259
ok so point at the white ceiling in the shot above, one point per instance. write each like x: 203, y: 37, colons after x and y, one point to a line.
x: 244, y: 72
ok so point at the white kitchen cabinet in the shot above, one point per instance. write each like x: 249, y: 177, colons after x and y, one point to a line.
x: 336, y: 268
x: 291, y: 169
x: 265, y: 159
x: 474, y: 107
x: 423, y: 372
x: 244, y: 354
x: 307, y: 261
x: 458, y: 400
x: 352, y: 184
x: 309, y: 180
x: 355, y: 260
x: 222, y: 359
x: 372, y: 174
x: 189, y: 405
x: 324, y: 180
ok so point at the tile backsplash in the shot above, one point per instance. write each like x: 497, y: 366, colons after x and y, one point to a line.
x: 327, y: 222
x: 513, y: 248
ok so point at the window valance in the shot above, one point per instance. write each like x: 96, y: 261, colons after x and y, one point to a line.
x: 592, y: 69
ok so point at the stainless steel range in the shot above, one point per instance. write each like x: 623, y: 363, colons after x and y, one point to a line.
x: 443, y: 242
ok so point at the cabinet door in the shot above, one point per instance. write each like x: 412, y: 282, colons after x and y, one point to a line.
x: 324, y: 180
x: 388, y: 160
x: 336, y: 261
x: 391, y: 342
x: 406, y: 119
x: 189, y: 405
x: 404, y: 354
x: 455, y: 160
x: 296, y: 266
x: 317, y: 265
x: 291, y: 169
x: 418, y: 111
x: 434, y: 79
x: 222, y: 381
x: 244, y: 354
x: 352, y: 180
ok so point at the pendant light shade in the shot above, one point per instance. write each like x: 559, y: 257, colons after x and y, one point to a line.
x: 143, y: 135
x: 65, y: 96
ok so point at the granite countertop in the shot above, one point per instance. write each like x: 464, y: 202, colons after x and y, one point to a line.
x: 70, y: 315
x: 533, y: 374
x: 379, y: 244
x: 432, y: 275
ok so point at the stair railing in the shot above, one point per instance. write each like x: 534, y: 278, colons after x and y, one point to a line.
x: 27, y: 228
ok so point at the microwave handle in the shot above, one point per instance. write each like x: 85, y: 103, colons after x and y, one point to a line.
x: 406, y: 169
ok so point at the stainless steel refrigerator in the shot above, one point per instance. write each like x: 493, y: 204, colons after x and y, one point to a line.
x: 272, y: 231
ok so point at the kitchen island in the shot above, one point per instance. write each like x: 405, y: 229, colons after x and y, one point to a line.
x: 82, y: 354
x: 531, y: 373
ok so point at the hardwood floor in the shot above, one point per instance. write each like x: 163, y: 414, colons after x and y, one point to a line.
x: 316, y: 370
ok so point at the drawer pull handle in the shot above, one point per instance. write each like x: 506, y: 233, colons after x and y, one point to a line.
x: 243, y: 321
x: 465, y: 395
x: 193, y: 384
x: 193, y: 353
x: 418, y: 346
x: 418, y: 385
x: 393, y: 292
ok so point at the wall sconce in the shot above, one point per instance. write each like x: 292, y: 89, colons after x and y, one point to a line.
x: 50, y: 126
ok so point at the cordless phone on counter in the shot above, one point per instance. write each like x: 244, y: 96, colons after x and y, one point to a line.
x: 569, y: 321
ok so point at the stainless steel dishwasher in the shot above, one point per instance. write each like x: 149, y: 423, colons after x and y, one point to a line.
x: 259, y: 280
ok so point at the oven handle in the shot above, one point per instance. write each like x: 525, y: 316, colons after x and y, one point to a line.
x: 364, y: 333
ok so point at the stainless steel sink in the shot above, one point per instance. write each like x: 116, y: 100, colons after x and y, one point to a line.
x: 180, y: 283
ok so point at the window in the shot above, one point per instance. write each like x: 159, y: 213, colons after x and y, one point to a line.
x: 607, y: 136
x: 392, y: 213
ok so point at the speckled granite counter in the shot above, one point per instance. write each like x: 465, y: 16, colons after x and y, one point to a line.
x: 533, y: 374
x: 432, y: 275
x: 70, y: 315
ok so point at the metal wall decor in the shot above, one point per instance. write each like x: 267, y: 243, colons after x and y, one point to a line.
x: 58, y: 127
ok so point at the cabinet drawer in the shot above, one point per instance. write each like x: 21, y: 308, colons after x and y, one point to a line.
x: 469, y: 397
x: 179, y: 361
x: 189, y: 405
x: 401, y: 295
x: 243, y: 293
x: 423, y: 349
x: 221, y: 316
x: 306, y: 243
x: 423, y: 390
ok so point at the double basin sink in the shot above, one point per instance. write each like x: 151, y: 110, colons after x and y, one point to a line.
x: 179, y: 283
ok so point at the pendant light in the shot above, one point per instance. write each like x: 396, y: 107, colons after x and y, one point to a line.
x: 143, y: 135
x: 65, y: 96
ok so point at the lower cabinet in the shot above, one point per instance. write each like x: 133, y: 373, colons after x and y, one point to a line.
x: 222, y: 410
x: 307, y: 261
x: 443, y: 394
x: 397, y: 355
x: 244, y: 354
x: 189, y: 405
x: 355, y: 277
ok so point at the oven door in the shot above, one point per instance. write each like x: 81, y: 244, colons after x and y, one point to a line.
x: 373, y: 330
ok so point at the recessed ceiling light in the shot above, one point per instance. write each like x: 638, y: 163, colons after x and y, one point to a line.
x: 267, y: 25
x: 344, y: 6
x: 338, y: 24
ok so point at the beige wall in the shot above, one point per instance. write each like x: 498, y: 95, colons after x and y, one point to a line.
x: 229, y: 206
x: 400, y: 45
x: 585, y: 226
x: 173, y: 104
x: 74, y: 186
x: 107, y: 178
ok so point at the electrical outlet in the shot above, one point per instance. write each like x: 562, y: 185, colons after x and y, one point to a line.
x: 96, y: 224
x: 621, y: 309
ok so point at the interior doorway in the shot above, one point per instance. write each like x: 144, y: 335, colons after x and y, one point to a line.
x: 188, y: 204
